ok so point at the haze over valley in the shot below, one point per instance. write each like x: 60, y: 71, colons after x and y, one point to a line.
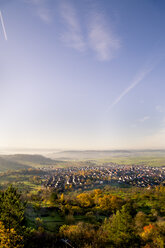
x: 82, y: 124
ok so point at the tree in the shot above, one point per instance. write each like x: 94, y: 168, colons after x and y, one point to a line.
x: 62, y: 198
x: 119, y: 230
x: 12, y: 209
x: 80, y: 235
x: 53, y: 197
x: 154, y: 235
x: 105, y: 204
x: 140, y: 221
x: 9, y: 238
x: 85, y: 200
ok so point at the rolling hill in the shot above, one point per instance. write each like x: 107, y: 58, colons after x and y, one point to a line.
x: 6, y: 165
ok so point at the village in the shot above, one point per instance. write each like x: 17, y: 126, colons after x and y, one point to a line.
x: 62, y: 179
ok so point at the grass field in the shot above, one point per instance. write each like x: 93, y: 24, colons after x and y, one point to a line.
x: 146, y: 161
x: 48, y: 218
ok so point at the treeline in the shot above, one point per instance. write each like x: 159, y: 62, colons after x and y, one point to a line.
x: 108, y: 220
x: 114, y: 221
x: 13, y: 230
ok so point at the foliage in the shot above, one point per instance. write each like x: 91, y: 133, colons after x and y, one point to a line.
x: 11, y: 208
x: 9, y: 238
x: 80, y: 235
x: 85, y: 200
x: 119, y: 230
x: 98, y: 218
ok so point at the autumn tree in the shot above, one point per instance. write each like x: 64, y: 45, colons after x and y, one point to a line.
x: 85, y: 200
x: 9, y: 238
x: 154, y: 235
x: 81, y: 235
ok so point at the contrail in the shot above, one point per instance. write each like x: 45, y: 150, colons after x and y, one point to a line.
x: 135, y: 82
x: 3, y: 26
x: 149, y: 66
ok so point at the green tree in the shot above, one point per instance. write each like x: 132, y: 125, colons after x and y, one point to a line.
x: 53, y: 197
x: 140, y: 221
x: 119, y: 230
x: 12, y: 209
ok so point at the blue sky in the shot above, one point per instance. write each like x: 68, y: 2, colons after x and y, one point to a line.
x: 82, y: 74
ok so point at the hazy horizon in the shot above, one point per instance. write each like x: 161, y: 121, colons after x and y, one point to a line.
x: 44, y: 151
x: 84, y: 75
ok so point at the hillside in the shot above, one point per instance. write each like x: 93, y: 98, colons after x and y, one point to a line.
x: 6, y: 164
x: 30, y: 160
x: 105, y: 154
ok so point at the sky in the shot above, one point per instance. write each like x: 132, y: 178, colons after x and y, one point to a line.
x: 82, y: 74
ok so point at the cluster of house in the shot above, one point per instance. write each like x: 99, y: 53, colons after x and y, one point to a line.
x: 88, y: 177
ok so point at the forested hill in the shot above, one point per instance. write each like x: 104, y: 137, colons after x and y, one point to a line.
x: 29, y: 160
x: 6, y: 164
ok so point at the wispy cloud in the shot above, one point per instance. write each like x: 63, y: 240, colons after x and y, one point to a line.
x: 44, y: 14
x: 145, y: 118
x: 72, y: 35
x: 102, y: 39
x: 95, y: 35
x: 159, y: 108
x: 140, y: 77
x: 141, y: 120
x: 3, y: 26
x: 42, y: 9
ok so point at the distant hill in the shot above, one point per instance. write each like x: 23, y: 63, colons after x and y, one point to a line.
x: 30, y: 160
x: 5, y: 165
x: 25, y: 161
x: 78, y: 158
x: 102, y: 154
